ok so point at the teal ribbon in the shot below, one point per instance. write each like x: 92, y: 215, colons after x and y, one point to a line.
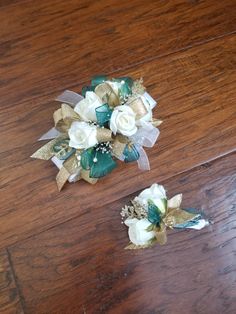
x: 87, y: 89
x: 103, y: 114
x: 125, y: 89
x: 99, y: 164
x: 131, y: 153
x: 98, y: 79
x: 192, y: 222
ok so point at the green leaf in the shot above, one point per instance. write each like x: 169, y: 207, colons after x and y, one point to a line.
x: 130, y: 153
x: 104, y: 164
x: 98, y: 79
x: 103, y: 114
x: 87, y: 157
x: 154, y: 214
x: 150, y: 228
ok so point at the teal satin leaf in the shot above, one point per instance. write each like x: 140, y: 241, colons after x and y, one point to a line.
x: 131, y: 153
x: 87, y: 157
x: 154, y: 214
x: 188, y: 224
x: 104, y: 164
x: 98, y: 79
x: 193, y: 222
x: 87, y: 89
x: 103, y: 114
x: 62, y: 150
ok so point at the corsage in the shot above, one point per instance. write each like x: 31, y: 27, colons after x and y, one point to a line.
x: 111, y: 120
x: 150, y: 215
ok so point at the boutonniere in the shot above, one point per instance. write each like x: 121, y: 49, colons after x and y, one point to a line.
x: 111, y: 119
x: 150, y: 215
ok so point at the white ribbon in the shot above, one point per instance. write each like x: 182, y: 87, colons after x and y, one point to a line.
x: 143, y: 162
x: 146, y: 135
x: 51, y: 134
x: 200, y: 224
x: 69, y: 97
x: 150, y: 100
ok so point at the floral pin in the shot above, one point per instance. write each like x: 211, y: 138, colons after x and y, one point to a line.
x: 151, y: 214
x: 112, y: 119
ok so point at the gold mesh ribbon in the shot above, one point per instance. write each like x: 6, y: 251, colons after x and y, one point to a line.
x: 61, y: 178
x: 107, y: 94
x: 63, y: 117
x: 118, y: 145
x: 84, y: 174
x: 104, y: 135
x: 177, y: 216
x: 45, y: 152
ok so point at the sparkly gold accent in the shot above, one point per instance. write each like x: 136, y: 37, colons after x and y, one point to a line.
x: 104, y: 135
x: 138, y: 87
x: 71, y: 164
x: 61, y: 178
x: 118, y: 145
x: 45, y: 152
x: 177, y: 216
x: 84, y: 174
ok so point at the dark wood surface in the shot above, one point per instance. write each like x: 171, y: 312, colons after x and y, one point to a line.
x: 9, y: 294
x: 63, y: 252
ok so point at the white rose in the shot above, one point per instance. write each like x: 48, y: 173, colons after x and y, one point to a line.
x: 148, y: 115
x: 87, y: 106
x: 82, y: 135
x: 138, y: 233
x: 123, y: 121
x: 156, y: 193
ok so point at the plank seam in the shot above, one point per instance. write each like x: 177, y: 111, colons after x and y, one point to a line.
x: 198, y: 44
x: 213, y: 160
x: 21, y: 297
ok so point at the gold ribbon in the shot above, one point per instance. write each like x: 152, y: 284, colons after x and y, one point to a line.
x: 84, y: 174
x: 156, y: 122
x: 61, y: 178
x: 161, y: 237
x: 104, y: 135
x: 107, y: 94
x: 63, y: 117
x: 138, y: 107
x: 45, y: 152
x: 119, y: 144
x: 177, y: 216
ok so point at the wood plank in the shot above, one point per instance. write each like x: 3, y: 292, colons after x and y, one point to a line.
x: 9, y: 297
x: 81, y: 266
x: 52, y: 44
x: 197, y: 103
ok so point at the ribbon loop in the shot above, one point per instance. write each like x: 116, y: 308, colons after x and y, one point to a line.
x: 69, y: 97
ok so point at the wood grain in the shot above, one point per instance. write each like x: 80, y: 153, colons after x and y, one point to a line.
x: 9, y: 298
x: 81, y: 266
x: 49, y: 45
x: 196, y: 92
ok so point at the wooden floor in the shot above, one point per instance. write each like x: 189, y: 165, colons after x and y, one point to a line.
x: 64, y: 252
